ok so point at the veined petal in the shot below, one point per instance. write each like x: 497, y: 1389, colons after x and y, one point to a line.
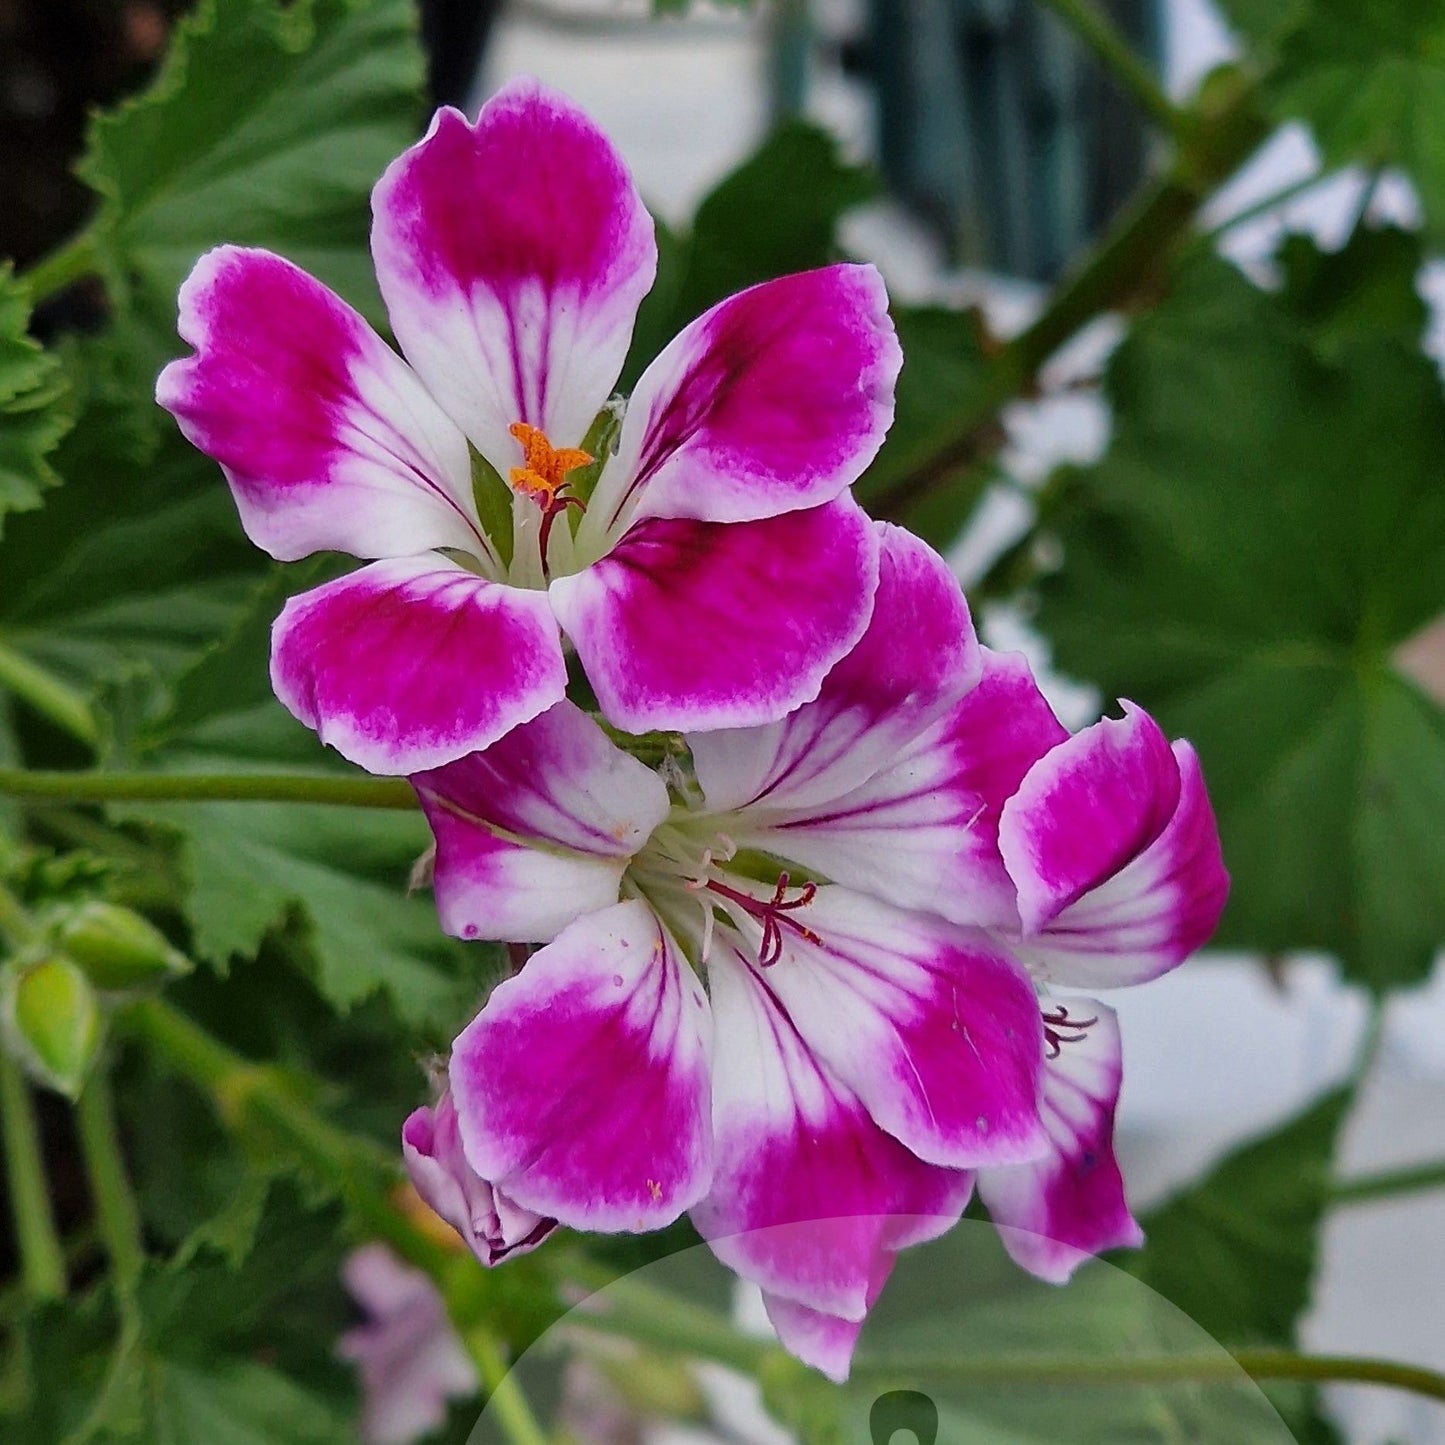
x: 536, y: 830
x: 582, y: 1087
x: 327, y: 438
x: 513, y: 255
x: 826, y: 1342
x: 709, y: 625
x: 774, y: 400
x: 1057, y: 1211
x: 933, y: 1027
x: 796, y: 1147
x: 412, y: 662
x: 917, y: 656
x: 1153, y: 913
x: 921, y: 832
x: 1084, y: 810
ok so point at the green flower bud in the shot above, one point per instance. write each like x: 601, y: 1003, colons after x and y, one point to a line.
x: 118, y: 949
x: 52, y: 1020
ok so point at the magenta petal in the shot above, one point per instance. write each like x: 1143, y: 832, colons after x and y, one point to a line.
x: 1057, y: 1211
x: 513, y: 255
x: 409, y: 663
x: 582, y: 1087
x: 933, y: 1027
x: 1085, y: 809
x: 706, y: 625
x: 492, y: 1226
x: 1153, y: 913
x: 536, y: 830
x: 917, y: 656
x: 824, y: 1341
x: 327, y: 438
x: 774, y: 400
x: 795, y: 1147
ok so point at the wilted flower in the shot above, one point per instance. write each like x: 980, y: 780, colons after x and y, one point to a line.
x: 807, y: 987
x: 708, y: 577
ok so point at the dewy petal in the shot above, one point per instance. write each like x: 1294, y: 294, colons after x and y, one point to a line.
x: 537, y: 830
x: 774, y: 400
x: 824, y: 1341
x: 933, y: 1027
x: 1085, y: 809
x: 922, y: 832
x: 513, y: 255
x: 582, y: 1088
x: 806, y: 1188
x: 491, y: 1225
x: 409, y: 663
x: 708, y: 625
x: 1153, y: 913
x: 327, y: 438
x: 917, y: 656
x: 1058, y: 1210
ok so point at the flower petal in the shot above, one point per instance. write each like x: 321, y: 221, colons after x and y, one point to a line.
x: 491, y: 1225
x: 412, y: 662
x: 806, y: 1187
x: 922, y: 831
x: 824, y: 1341
x: 1057, y: 1211
x: 513, y: 255
x: 1153, y: 913
x: 1085, y: 809
x: 536, y: 830
x: 327, y: 438
x: 582, y: 1087
x: 707, y: 625
x: 934, y: 1028
x: 774, y: 400
x: 917, y: 656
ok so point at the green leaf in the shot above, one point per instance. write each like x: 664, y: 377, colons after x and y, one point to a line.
x: 237, y: 1403
x: 1266, y: 530
x: 33, y: 414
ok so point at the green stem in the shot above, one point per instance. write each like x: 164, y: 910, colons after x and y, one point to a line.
x: 1388, y: 1184
x: 117, y: 1217
x: 68, y: 263
x: 50, y: 697
x: 1118, y: 57
x: 42, y: 1264
x: 1259, y: 1365
x: 352, y: 792
x: 505, y: 1397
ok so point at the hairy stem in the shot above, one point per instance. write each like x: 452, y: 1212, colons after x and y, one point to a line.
x: 505, y: 1397
x: 67, y: 264
x: 116, y: 1214
x: 50, y: 697
x: 351, y: 792
x: 42, y: 1265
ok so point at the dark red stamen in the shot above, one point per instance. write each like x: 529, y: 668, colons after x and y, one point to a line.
x: 1060, y: 1029
x: 771, y: 913
x: 561, y: 500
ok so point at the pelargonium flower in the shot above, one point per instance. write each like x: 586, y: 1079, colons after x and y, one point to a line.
x: 814, y: 982
x: 708, y: 577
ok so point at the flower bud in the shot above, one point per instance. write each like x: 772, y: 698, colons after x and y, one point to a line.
x: 118, y: 949
x: 52, y: 1020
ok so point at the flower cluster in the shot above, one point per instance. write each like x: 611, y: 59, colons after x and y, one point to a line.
x: 798, y: 956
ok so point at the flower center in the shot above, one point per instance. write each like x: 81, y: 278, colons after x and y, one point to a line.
x: 543, y: 477
x: 772, y: 913
x: 1060, y: 1029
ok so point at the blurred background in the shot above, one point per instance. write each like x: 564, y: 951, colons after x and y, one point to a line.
x: 1003, y: 150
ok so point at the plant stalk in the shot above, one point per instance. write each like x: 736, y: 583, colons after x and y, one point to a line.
x: 117, y: 1218
x: 49, y: 696
x: 42, y: 1264
x: 95, y: 787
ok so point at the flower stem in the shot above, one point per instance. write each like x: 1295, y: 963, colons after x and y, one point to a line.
x: 352, y: 792
x: 1120, y: 59
x: 1389, y: 1183
x: 50, y: 697
x: 42, y: 1264
x: 117, y: 1217
x: 68, y: 263
x: 505, y: 1397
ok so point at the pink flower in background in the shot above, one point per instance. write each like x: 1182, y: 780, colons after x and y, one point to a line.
x: 410, y: 1359
x: 711, y: 579
x: 805, y: 986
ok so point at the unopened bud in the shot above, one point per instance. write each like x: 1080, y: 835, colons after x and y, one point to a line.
x: 52, y: 1020
x: 118, y: 949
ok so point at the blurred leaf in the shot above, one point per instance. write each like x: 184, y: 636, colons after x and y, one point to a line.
x: 1267, y: 527
x: 33, y: 416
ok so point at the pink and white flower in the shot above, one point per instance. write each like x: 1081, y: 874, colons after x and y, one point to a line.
x: 708, y: 577
x: 804, y: 983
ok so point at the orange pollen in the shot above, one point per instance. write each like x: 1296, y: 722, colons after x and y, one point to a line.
x: 544, y: 468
